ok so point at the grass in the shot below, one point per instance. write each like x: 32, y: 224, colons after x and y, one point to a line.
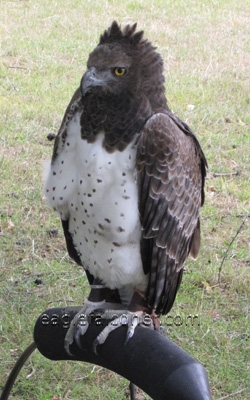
x: 206, y: 50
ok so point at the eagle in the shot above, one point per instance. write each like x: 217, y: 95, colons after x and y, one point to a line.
x: 127, y: 180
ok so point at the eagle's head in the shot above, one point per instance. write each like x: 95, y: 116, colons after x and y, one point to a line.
x: 123, y: 63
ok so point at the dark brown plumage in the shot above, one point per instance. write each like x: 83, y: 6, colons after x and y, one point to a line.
x: 171, y: 173
x: 121, y: 148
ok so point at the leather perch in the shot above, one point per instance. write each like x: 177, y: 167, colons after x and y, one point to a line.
x: 151, y: 361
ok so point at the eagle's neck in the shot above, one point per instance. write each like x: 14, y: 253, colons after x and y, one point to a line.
x: 120, y: 117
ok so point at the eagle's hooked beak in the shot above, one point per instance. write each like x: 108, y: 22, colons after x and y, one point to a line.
x: 91, y: 79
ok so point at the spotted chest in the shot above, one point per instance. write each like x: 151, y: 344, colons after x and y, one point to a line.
x: 96, y: 191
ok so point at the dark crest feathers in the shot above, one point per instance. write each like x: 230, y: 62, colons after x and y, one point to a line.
x: 115, y: 34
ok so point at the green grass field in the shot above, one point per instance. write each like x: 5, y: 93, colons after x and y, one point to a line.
x: 206, y: 50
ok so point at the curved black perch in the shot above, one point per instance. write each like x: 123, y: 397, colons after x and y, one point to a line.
x: 151, y: 361
x: 15, y: 371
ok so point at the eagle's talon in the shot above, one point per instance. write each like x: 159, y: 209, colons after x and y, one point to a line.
x: 80, y: 324
x: 130, y: 334
x: 80, y: 331
x: 132, y: 320
x: 66, y: 348
x: 95, y: 344
x: 69, y: 338
x: 162, y: 331
x: 68, y: 341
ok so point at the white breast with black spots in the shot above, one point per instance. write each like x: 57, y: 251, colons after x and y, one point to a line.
x: 97, y: 192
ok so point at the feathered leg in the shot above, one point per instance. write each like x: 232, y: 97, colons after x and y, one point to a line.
x: 100, y: 298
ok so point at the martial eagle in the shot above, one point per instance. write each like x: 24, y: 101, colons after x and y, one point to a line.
x: 127, y: 179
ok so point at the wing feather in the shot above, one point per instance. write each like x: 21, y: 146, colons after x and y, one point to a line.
x: 170, y: 173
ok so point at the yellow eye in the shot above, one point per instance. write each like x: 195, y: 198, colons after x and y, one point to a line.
x: 119, y: 71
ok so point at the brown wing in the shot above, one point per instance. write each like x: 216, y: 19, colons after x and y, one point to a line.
x: 72, y: 107
x: 171, y: 173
